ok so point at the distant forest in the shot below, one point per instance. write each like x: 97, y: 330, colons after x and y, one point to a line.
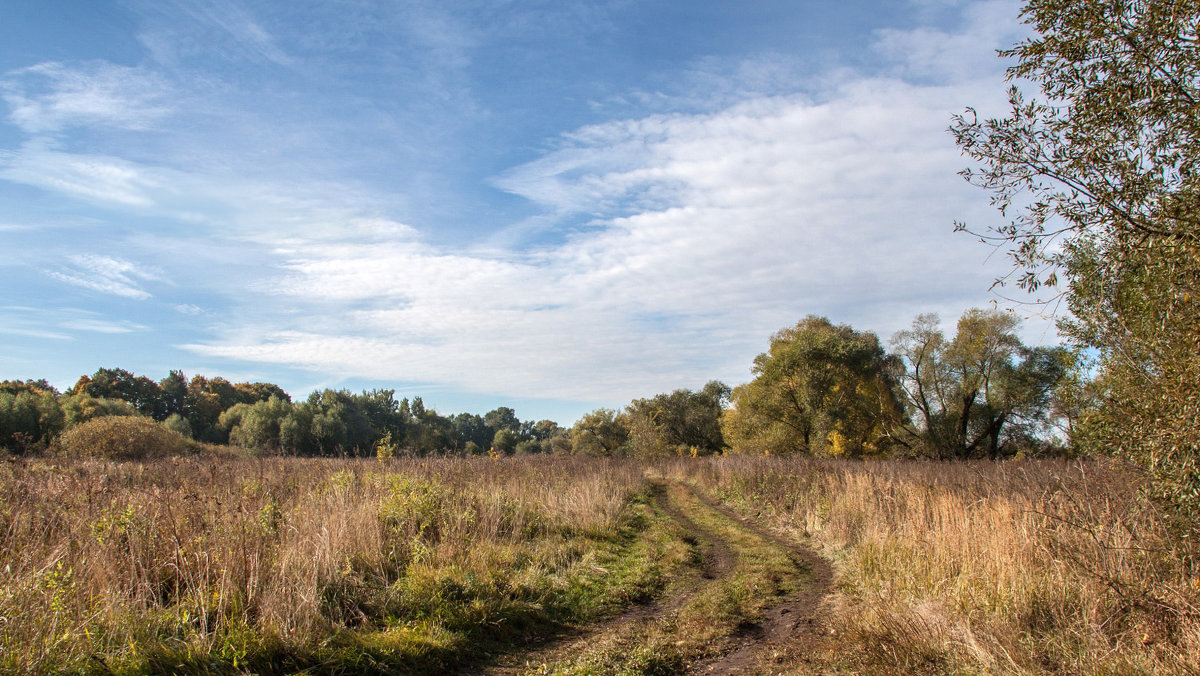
x: 821, y: 389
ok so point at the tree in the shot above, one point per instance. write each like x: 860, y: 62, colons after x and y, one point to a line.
x: 964, y: 395
x: 821, y: 389
x: 382, y: 412
x: 80, y: 408
x: 505, y: 441
x: 428, y: 432
x: 546, y: 429
x: 249, y: 393
x: 1100, y: 178
x: 178, y: 424
x: 676, y: 423
x: 257, y: 426
x: 296, y: 431
x: 174, y: 390
x: 206, y: 400
x: 502, y: 418
x: 471, y: 432
x: 598, y: 433
x: 548, y: 435
x: 340, y: 425
x: 142, y: 393
x: 19, y: 386
x: 30, y: 417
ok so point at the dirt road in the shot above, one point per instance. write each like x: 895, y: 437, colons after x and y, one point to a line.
x: 746, y: 594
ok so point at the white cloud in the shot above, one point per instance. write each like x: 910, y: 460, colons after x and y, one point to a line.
x: 220, y: 28
x: 242, y: 27
x: 687, y: 239
x: 33, y: 333
x: 108, y: 275
x: 96, y: 178
x: 50, y: 96
x: 225, y: 205
x: 954, y: 56
x: 744, y: 220
x: 102, y: 326
x: 58, y: 323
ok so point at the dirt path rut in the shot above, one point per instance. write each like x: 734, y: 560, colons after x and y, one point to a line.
x: 792, y: 621
x: 795, y: 621
x: 716, y: 559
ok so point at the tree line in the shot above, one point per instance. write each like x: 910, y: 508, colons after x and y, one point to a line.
x: 820, y: 389
x: 261, y: 417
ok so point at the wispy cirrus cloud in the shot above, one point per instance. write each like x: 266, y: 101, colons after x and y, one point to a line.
x: 60, y: 323
x: 221, y: 27
x: 242, y: 27
x: 102, y: 326
x: 96, y: 178
x: 51, y: 96
x: 33, y: 333
x: 108, y: 275
x: 704, y: 233
x: 667, y: 245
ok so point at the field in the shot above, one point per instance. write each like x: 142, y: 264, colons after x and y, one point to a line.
x: 553, y: 565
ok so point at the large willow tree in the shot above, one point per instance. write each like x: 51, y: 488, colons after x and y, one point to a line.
x: 1097, y: 169
x: 820, y: 389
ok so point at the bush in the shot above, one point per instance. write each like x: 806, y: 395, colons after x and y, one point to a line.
x: 80, y: 408
x: 122, y: 438
x: 178, y: 424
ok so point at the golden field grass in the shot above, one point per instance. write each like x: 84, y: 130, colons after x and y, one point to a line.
x: 189, y: 565
x: 1040, y: 567
x: 194, y: 565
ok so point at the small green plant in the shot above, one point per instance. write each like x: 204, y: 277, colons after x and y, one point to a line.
x: 385, y: 448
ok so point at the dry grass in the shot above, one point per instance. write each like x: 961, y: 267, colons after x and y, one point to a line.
x: 1023, y: 567
x: 201, y: 565
x: 272, y: 565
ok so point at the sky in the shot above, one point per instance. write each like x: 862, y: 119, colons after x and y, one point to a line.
x: 553, y: 205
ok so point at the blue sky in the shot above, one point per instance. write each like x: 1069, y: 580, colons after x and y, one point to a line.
x: 554, y: 206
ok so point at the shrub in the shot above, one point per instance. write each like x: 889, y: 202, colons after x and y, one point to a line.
x: 178, y: 424
x: 122, y: 438
x: 80, y: 408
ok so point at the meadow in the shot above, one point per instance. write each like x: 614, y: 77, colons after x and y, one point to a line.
x: 583, y: 565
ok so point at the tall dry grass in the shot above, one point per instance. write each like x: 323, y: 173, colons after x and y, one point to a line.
x: 1020, y: 567
x: 121, y: 566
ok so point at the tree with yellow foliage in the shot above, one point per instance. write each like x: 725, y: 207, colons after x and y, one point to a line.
x: 820, y: 389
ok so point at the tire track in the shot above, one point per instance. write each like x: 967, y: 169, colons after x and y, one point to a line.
x: 716, y: 560
x: 795, y: 621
